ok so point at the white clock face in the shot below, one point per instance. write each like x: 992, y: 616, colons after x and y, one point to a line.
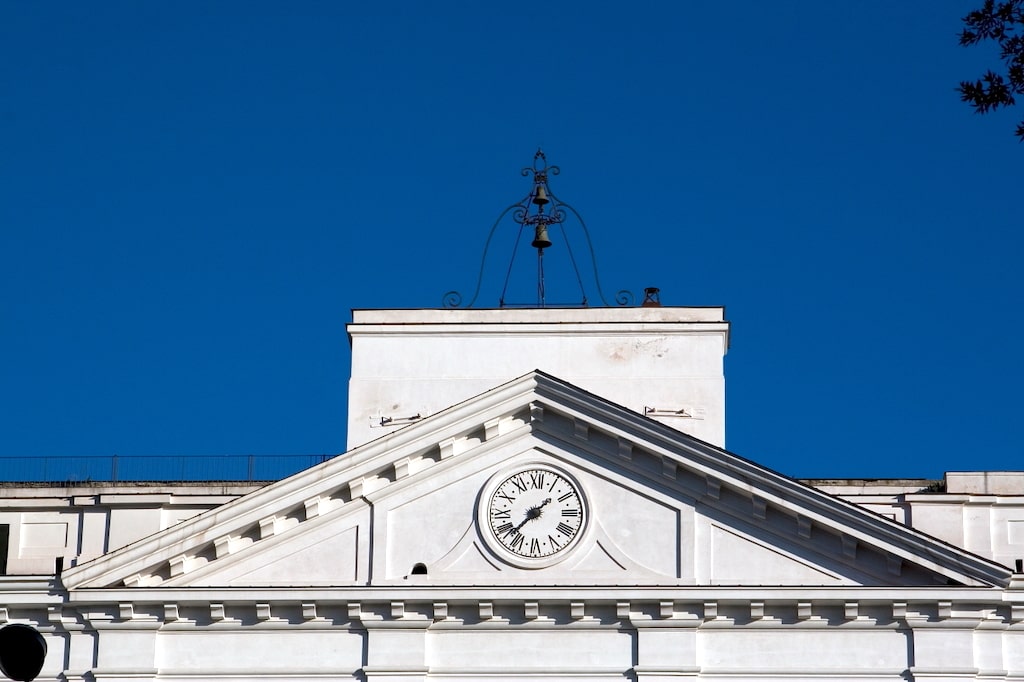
x: 536, y: 513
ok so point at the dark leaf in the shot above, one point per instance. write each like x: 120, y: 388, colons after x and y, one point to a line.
x: 1003, y: 23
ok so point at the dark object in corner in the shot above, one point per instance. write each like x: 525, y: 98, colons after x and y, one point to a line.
x: 22, y: 652
x: 1003, y: 23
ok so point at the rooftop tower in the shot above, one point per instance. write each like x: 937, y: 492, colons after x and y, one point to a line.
x: 664, y: 362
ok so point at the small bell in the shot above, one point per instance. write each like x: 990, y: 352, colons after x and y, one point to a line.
x: 540, y: 238
x: 541, y: 197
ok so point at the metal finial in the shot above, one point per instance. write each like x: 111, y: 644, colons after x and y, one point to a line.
x: 540, y: 210
x: 652, y: 298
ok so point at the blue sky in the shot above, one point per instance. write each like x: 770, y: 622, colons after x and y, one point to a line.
x: 193, y: 196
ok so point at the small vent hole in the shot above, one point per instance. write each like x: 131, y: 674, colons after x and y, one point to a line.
x: 419, y: 569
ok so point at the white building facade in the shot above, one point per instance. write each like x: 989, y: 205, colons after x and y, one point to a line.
x: 528, y: 494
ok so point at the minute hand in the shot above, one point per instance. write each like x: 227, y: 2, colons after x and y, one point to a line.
x: 531, y: 514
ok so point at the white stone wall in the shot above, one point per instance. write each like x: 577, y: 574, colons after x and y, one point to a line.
x: 75, y: 524
x: 81, y: 523
x: 515, y: 637
x: 667, y: 362
x: 271, y: 627
x: 982, y: 512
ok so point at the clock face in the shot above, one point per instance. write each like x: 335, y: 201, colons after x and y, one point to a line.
x: 536, y: 513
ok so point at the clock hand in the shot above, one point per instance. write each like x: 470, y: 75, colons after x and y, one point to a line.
x: 531, y: 514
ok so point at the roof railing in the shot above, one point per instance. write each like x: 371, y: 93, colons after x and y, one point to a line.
x: 65, y: 470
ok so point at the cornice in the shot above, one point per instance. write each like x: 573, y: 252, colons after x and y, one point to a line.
x: 719, y: 467
x: 545, y: 329
x: 545, y: 607
x: 346, y: 477
x: 671, y: 460
x: 471, y: 593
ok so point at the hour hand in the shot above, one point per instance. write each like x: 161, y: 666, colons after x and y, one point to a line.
x: 524, y: 521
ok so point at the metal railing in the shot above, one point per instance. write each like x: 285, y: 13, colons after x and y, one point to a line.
x: 90, y: 469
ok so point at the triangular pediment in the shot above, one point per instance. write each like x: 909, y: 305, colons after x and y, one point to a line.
x: 658, y: 508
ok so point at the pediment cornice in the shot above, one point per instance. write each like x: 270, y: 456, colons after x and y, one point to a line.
x: 541, y: 407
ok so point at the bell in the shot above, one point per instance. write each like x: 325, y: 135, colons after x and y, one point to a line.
x: 540, y: 236
x: 541, y: 197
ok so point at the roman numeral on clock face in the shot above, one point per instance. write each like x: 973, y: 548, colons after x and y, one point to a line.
x: 570, y: 512
x: 564, y: 528
x: 534, y: 547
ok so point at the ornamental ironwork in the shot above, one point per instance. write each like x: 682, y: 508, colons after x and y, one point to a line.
x: 539, y: 214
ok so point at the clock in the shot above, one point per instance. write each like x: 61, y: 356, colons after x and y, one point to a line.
x: 534, y: 515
